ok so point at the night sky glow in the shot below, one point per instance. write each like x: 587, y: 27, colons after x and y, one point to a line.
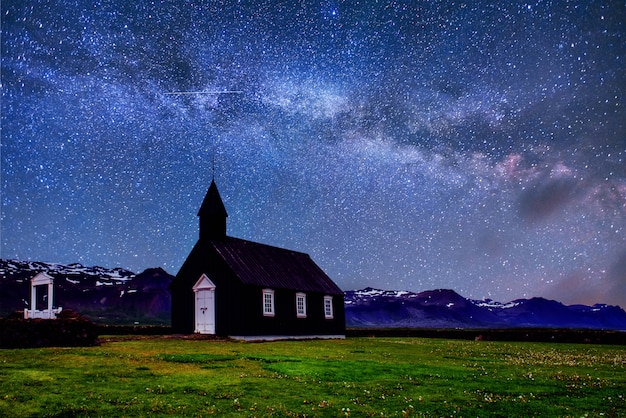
x: 404, y: 145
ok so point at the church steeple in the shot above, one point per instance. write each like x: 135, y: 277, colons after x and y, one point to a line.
x: 212, y: 215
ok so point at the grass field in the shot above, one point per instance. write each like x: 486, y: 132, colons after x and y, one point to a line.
x: 353, y: 377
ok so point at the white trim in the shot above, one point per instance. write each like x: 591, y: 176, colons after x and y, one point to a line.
x: 206, y: 288
x: 328, y: 307
x: 301, y: 307
x: 41, y: 280
x: 268, y: 302
x: 45, y: 314
x: 203, y: 283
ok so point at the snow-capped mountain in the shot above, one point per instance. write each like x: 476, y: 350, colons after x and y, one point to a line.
x: 101, y: 294
x: 447, y: 309
x: 121, y: 296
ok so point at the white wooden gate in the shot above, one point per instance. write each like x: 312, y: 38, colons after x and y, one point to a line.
x: 204, y: 290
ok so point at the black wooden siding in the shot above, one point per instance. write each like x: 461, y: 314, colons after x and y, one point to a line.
x: 240, y: 271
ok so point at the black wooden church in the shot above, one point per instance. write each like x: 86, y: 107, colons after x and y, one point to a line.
x: 246, y: 290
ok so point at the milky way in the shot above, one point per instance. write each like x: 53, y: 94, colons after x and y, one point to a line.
x: 404, y: 145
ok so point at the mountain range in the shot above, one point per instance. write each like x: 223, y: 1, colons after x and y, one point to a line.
x: 112, y: 296
x: 118, y: 296
x: 444, y: 308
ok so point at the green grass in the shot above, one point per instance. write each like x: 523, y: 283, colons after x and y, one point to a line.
x: 356, y: 377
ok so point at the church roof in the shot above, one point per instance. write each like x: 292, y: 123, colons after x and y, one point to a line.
x: 277, y: 268
x: 212, y: 204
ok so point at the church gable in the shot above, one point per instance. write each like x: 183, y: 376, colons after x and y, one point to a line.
x: 204, y: 283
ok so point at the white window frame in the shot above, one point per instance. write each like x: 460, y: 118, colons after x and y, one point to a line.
x: 301, y: 305
x: 328, y: 307
x: 268, y: 302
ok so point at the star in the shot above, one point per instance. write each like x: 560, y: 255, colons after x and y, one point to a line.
x: 415, y: 146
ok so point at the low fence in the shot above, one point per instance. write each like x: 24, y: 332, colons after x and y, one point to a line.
x: 583, y: 336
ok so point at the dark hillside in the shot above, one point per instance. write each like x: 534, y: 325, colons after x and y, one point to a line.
x: 114, y: 296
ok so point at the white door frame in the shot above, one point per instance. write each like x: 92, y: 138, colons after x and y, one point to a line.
x: 205, y: 287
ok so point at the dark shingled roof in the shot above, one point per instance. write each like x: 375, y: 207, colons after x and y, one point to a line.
x: 273, y: 267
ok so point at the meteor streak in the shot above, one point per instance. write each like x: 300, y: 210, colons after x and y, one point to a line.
x: 207, y: 92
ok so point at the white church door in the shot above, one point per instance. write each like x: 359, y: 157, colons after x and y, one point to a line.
x: 204, y: 290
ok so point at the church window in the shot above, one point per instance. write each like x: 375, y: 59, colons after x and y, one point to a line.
x: 328, y: 307
x: 268, y: 302
x: 301, y: 305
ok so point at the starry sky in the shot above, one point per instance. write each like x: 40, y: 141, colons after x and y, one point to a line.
x: 408, y: 145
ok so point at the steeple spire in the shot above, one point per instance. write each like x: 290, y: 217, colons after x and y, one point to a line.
x: 212, y: 215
